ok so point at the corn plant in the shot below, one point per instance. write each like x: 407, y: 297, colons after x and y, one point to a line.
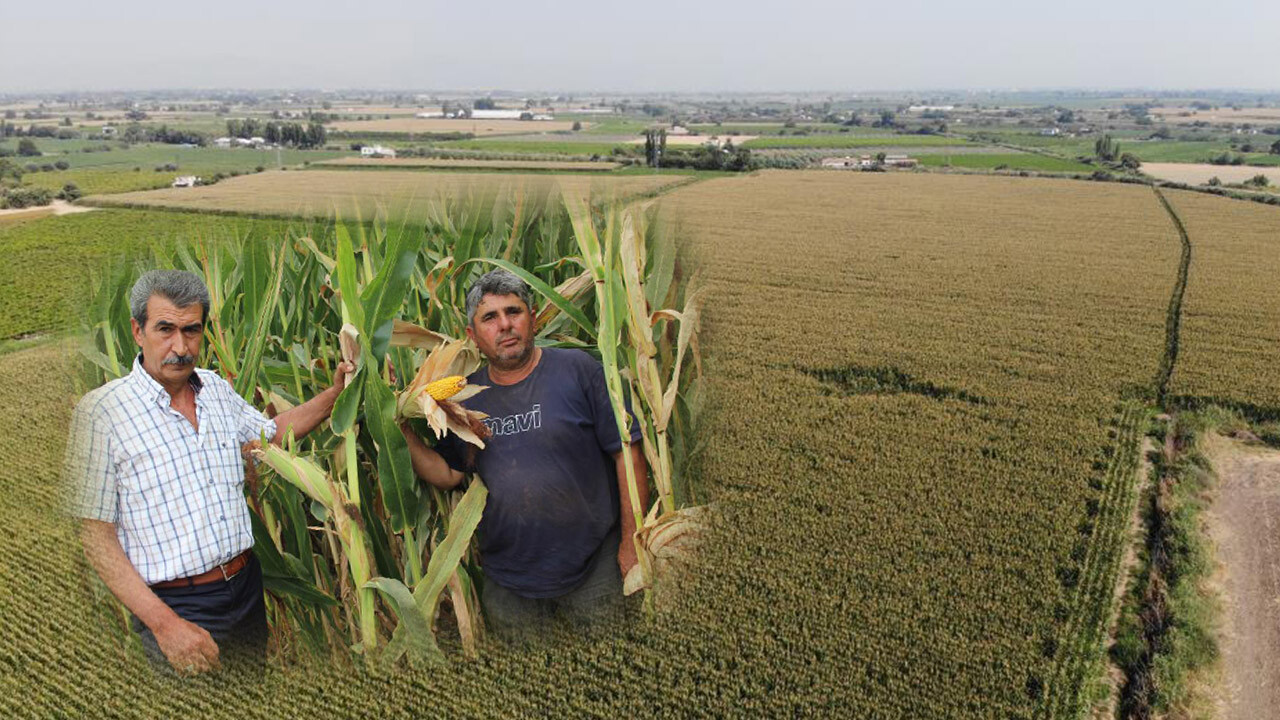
x: 355, y: 550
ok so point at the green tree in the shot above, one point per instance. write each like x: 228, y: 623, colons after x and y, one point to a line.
x: 1275, y: 148
x: 27, y: 147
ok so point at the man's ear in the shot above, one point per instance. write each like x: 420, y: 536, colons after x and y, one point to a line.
x: 137, y: 330
x: 471, y: 334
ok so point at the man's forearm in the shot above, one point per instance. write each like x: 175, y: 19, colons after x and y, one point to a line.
x: 102, y: 548
x: 307, y: 416
x: 641, y: 468
x: 428, y: 464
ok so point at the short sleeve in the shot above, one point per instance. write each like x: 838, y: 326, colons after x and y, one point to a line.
x: 602, y: 408
x: 251, y: 424
x: 89, y: 468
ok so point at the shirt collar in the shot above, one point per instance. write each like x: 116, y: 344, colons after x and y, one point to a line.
x: 149, y: 387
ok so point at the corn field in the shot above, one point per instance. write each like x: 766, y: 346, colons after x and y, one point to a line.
x: 356, y: 551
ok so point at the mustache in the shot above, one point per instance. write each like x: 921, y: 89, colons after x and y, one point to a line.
x: 179, y: 360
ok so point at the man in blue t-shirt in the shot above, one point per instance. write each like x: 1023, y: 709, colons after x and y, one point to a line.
x: 556, y: 535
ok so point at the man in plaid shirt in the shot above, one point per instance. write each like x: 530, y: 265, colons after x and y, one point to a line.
x: 155, y: 461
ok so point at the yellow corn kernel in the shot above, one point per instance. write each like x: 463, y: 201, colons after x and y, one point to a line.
x: 445, y: 388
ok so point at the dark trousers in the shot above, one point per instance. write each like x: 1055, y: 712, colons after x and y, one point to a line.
x: 598, y: 596
x: 233, y: 611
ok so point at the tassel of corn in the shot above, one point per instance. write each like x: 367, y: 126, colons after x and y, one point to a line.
x: 445, y: 388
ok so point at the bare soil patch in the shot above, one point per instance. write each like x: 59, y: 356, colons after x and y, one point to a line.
x: 1199, y: 173
x: 57, y: 207
x: 1223, y: 116
x: 1244, y: 522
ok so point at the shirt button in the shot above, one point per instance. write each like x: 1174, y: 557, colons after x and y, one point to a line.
x: 222, y: 517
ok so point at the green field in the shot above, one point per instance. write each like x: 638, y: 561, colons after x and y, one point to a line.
x: 207, y: 158
x: 852, y: 141
x: 1150, y: 150
x: 127, y: 170
x: 539, y: 147
x: 1011, y: 161
x: 49, y: 262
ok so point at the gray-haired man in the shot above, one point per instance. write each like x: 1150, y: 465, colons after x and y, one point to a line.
x: 155, y: 458
x: 556, y: 536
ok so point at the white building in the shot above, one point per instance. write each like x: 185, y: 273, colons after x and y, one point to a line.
x: 186, y: 181
x: 848, y: 162
x: 496, y: 114
x: 108, y: 131
x: 377, y: 151
x: 222, y: 142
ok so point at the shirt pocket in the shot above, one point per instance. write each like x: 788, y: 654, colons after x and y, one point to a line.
x: 222, y: 448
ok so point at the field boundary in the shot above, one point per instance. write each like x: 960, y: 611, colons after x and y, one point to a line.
x: 1078, y: 645
x: 1173, y: 320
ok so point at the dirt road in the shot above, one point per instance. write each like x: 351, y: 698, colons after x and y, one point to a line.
x: 1244, y: 522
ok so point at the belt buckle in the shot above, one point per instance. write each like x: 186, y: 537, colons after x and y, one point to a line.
x: 223, y: 569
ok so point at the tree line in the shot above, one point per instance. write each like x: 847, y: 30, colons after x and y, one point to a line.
x: 293, y: 134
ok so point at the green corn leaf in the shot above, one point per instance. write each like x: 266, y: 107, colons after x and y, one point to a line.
x: 386, y: 294
x: 346, y: 277
x: 413, y: 634
x: 298, y: 588
x: 395, y: 469
x: 444, y: 561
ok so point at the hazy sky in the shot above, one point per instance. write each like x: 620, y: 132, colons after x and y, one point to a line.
x: 599, y: 45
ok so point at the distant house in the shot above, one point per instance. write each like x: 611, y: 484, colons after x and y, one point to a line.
x: 186, y: 181
x: 377, y: 151
x: 496, y: 114
x: 1051, y: 131
x: 243, y: 142
x: 429, y: 114
x: 848, y: 162
x: 678, y: 130
x: 222, y: 142
x: 108, y: 131
x: 257, y: 141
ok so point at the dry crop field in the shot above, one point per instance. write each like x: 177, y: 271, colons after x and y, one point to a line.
x: 355, y: 162
x: 1223, y: 116
x: 320, y: 193
x: 1200, y: 173
x: 1230, y: 340
x: 923, y: 449
x: 446, y: 125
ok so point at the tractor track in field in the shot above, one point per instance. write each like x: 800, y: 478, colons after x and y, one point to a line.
x: 1173, y: 322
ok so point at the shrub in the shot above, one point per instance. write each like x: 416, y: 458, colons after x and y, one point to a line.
x: 24, y: 197
x: 70, y: 192
x: 62, y: 164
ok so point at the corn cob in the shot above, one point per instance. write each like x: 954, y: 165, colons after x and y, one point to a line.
x: 445, y: 388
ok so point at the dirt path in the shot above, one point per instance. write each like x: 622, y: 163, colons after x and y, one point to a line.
x: 57, y: 207
x: 1244, y: 522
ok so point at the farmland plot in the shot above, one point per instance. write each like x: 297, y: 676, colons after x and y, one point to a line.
x: 450, y: 164
x: 320, y: 193
x: 1230, y: 338
x: 917, y: 381
x: 925, y: 375
x: 444, y: 125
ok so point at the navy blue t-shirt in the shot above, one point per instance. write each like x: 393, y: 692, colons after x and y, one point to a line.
x: 553, y: 489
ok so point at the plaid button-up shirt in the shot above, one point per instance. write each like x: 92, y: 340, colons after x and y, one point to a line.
x: 174, y: 493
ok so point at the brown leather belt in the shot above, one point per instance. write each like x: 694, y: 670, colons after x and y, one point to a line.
x: 222, y: 572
